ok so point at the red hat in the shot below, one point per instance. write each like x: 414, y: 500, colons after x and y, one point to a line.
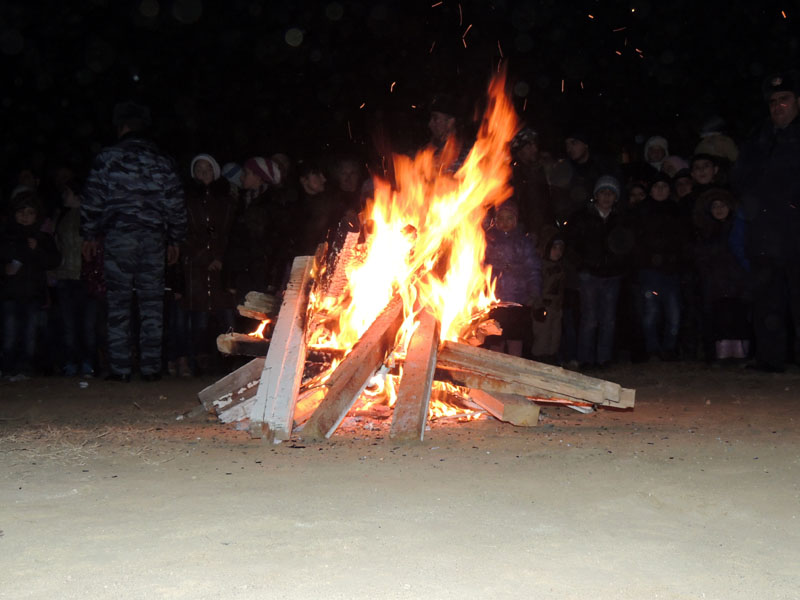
x: 266, y: 168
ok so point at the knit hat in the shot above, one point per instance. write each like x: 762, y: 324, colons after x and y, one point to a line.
x: 683, y: 173
x: 208, y: 158
x: 787, y: 81
x: 26, y: 199
x: 233, y: 173
x: 523, y: 138
x: 607, y: 182
x: 656, y: 141
x: 658, y: 177
x: 702, y: 156
x: 266, y: 169
x: 673, y: 164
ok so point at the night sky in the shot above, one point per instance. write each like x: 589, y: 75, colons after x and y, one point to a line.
x: 246, y: 77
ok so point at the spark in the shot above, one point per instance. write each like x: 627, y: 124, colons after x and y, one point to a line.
x: 500, y: 48
x: 581, y: 85
x: 619, y: 29
x: 391, y: 87
x: 562, y: 86
x: 633, y: 10
x: 464, y: 42
x: 432, y: 46
x: 349, y: 130
x: 363, y: 104
x: 467, y: 31
x: 460, y: 15
x: 414, y: 106
x: 783, y: 12
x: 591, y: 16
x: 639, y: 51
x: 437, y: 4
x: 524, y: 104
x: 618, y: 53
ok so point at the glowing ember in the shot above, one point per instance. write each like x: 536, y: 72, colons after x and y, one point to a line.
x: 426, y: 243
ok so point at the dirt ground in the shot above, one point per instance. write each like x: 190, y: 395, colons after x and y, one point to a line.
x: 693, y: 494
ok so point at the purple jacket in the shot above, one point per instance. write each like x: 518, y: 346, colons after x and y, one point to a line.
x: 515, y: 265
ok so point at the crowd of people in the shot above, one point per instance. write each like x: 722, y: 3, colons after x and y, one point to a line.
x: 138, y: 266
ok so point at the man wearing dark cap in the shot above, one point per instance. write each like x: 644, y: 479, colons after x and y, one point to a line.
x: 133, y: 200
x: 767, y: 181
x: 445, y: 135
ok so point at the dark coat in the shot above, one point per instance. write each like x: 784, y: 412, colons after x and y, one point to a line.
x: 765, y: 179
x: 515, y: 266
x: 211, y: 211
x: 721, y: 275
x: 29, y: 283
x: 532, y: 195
x: 662, y: 237
x: 600, y: 247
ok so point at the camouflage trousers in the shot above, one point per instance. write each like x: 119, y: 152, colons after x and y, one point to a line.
x: 134, y: 264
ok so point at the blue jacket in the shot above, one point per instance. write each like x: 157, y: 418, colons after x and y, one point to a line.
x: 515, y: 266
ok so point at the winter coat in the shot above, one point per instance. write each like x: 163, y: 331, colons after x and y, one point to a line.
x: 598, y: 246
x: 69, y: 242
x: 133, y: 188
x: 532, y: 195
x: 662, y: 237
x: 211, y: 212
x: 29, y: 283
x: 572, y: 184
x: 516, y: 267
x: 765, y: 179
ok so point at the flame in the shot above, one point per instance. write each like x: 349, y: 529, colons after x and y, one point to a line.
x: 259, y: 332
x: 426, y: 240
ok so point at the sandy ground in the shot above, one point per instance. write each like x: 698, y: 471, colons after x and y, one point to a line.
x: 694, y: 494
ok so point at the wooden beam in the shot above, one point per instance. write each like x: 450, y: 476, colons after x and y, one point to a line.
x: 528, y: 378
x: 271, y: 415
x: 241, y: 344
x: 414, y: 394
x: 516, y: 410
x: 351, y: 376
x: 232, y: 396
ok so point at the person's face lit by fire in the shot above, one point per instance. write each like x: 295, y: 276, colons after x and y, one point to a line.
x: 656, y: 154
x: 25, y: 216
x: 604, y: 199
x: 783, y: 108
x: 660, y: 191
x: 528, y: 153
x: 442, y: 126
x: 313, y: 183
x: 720, y: 210
x: 348, y: 176
x: 577, y: 150
x: 250, y: 181
x: 704, y: 171
x: 506, y: 220
x: 203, y: 171
x: 683, y: 186
x: 637, y: 195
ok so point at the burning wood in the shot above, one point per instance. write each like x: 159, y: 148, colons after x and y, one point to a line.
x: 353, y: 373
x: 413, y: 279
x: 242, y: 344
x: 413, y: 397
x: 271, y: 416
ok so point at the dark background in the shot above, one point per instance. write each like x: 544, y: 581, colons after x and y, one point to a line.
x: 246, y: 77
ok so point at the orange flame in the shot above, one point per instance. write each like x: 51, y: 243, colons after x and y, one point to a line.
x: 427, y: 239
x: 259, y: 332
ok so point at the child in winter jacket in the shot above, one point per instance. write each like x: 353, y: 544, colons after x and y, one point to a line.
x: 548, y: 311
x: 26, y: 253
x: 517, y: 271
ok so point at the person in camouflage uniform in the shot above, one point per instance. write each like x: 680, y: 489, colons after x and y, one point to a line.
x: 133, y: 200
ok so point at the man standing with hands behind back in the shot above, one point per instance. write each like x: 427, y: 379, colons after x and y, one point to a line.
x: 133, y: 200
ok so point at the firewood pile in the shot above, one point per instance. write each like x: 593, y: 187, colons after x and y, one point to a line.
x: 278, y: 394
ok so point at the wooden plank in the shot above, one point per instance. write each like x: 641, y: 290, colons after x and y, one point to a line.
x: 233, y: 390
x: 271, y: 415
x: 241, y: 344
x: 547, y: 379
x: 414, y: 394
x: 516, y: 410
x: 353, y: 373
